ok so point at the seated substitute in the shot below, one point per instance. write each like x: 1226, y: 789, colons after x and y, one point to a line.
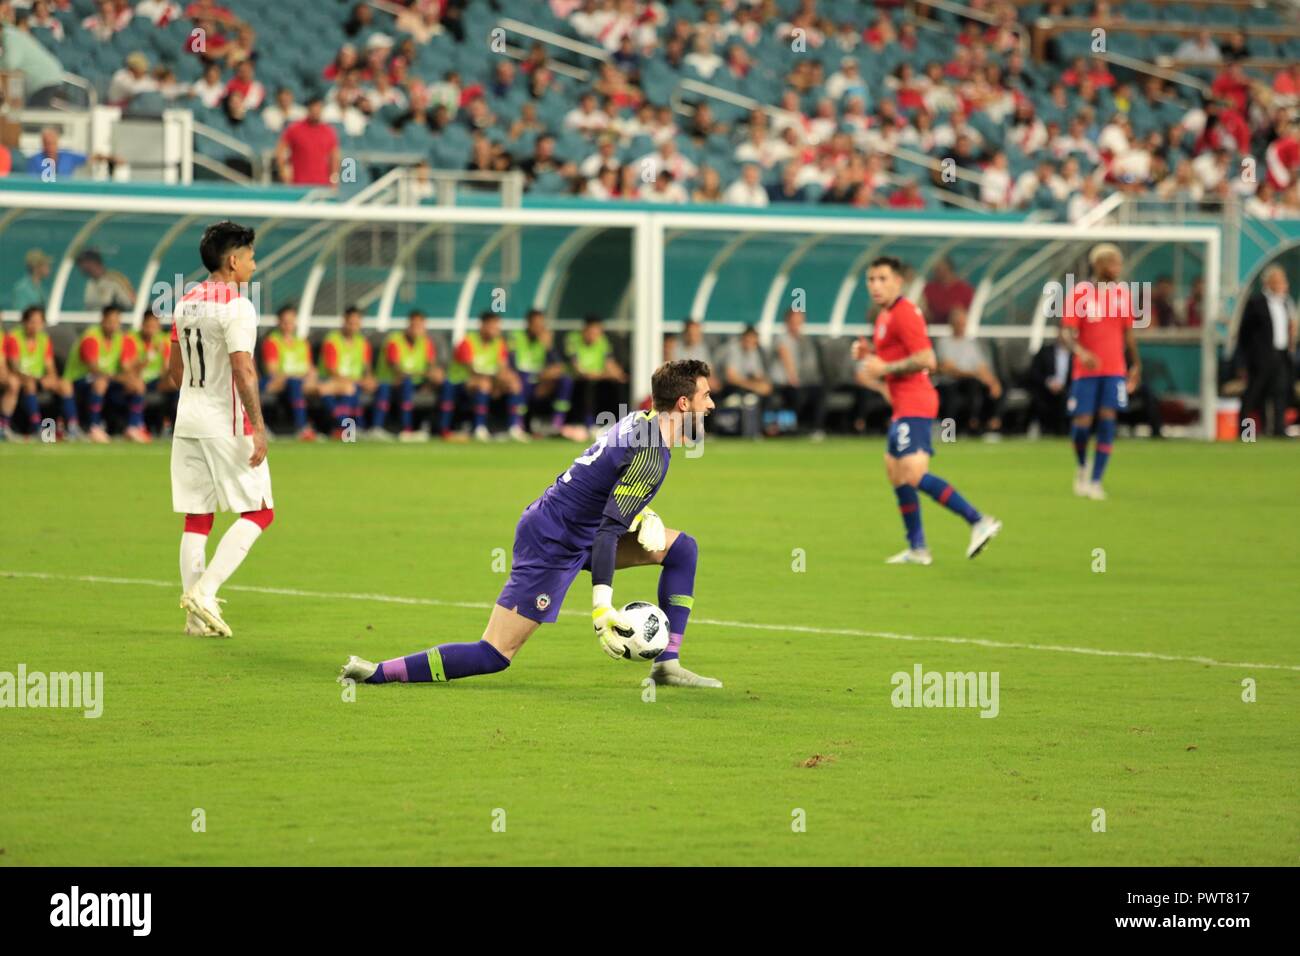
x: 970, y: 388
x: 104, y: 367
x: 798, y: 373
x: 154, y: 349
x: 287, y: 369
x: 408, y: 360
x: 481, y: 367
x: 596, y: 372
x: 746, y: 379
x: 30, y: 370
x: 345, y: 369
x: 541, y: 370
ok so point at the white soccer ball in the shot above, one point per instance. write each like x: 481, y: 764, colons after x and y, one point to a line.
x: 650, y: 631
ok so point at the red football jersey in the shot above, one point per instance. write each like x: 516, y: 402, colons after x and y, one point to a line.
x: 1101, y: 314
x: 900, y: 332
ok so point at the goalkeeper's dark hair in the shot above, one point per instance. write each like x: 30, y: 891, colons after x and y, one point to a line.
x: 892, y: 262
x: 221, y: 239
x: 676, y: 380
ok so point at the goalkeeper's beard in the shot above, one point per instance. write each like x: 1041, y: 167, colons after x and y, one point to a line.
x: 692, y: 428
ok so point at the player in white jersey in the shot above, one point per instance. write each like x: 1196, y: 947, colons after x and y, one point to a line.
x: 219, y: 440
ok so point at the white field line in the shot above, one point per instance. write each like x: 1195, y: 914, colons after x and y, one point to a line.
x: 708, y: 622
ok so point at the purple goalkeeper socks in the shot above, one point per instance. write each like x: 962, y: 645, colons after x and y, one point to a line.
x: 442, y: 663
x: 677, y: 590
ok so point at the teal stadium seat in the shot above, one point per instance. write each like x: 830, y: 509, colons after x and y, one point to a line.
x: 146, y: 105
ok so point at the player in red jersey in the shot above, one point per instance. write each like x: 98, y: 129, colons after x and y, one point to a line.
x: 1097, y: 326
x: 902, y: 360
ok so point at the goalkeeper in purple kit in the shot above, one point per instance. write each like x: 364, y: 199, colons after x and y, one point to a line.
x: 594, y: 517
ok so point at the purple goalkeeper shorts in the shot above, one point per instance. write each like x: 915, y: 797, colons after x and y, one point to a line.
x: 540, y: 572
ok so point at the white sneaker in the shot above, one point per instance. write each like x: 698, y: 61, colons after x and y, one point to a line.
x: 911, y: 556
x: 981, y: 533
x: 482, y: 434
x: 195, y: 627
x: 357, y: 669
x: 1095, y: 491
x: 1081, y: 482
x: 207, y: 610
x: 413, y: 435
x: 517, y: 433
x: 674, y: 674
x: 379, y: 434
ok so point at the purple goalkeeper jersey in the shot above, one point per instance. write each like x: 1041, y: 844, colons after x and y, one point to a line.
x: 613, y: 479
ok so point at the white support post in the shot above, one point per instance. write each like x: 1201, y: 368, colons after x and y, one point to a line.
x: 646, y: 273
x: 1210, y: 337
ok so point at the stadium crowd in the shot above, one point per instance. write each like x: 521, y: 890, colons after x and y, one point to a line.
x: 840, y: 99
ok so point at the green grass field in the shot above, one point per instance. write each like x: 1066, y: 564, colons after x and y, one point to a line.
x: 1202, y: 554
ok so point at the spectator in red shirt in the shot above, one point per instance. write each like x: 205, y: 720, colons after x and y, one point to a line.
x: 1282, y: 157
x: 346, y: 59
x: 944, y: 291
x: 207, y: 42
x: 206, y: 10
x: 1225, y: 128
x: 308, y: 153
x: 1232, y: 85
x: 245, y: 82
x: 907, y: 196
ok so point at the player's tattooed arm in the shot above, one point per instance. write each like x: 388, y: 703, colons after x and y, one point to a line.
x: 244, y: 373
x: 915, y: 362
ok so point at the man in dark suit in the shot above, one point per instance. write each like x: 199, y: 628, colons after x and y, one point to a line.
x: 1265, y: 341
x: 1048, y: 380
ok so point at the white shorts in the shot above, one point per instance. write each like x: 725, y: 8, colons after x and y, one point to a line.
x: 213, y: 474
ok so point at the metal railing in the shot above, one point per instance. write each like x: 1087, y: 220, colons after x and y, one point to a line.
x: 1152, y: 69
x: 237, y: 146
x: 81, y: 83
